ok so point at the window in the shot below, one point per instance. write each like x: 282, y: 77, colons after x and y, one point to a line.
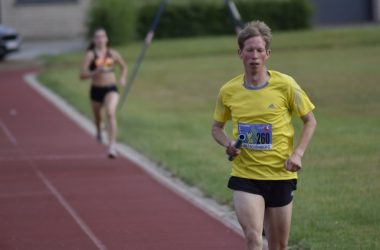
x: 44, y: 1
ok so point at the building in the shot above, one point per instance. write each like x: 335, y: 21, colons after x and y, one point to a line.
x: 345, y: 12
x: 45, y: 19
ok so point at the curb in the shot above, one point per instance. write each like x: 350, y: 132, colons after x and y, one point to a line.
x: 222, y: 213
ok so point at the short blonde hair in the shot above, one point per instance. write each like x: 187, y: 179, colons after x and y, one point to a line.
x: 253, y: 29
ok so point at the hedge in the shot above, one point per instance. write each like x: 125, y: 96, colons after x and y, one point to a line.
x: 194, y: 19
x: 279, y: 15
x: 199, y: 19
x: 117, y: 17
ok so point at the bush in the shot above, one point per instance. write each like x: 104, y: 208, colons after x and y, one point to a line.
x: 184, y: 20
x: 278, y: 14
x: 198, y: 19
x: 117, y: 17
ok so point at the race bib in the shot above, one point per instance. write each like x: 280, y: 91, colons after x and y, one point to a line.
x: 257, y: 136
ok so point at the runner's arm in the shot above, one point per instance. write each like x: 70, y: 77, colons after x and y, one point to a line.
x: 221, y: 138
x: 294, y: 163
x: 85, y: 73
x: 123, y: 67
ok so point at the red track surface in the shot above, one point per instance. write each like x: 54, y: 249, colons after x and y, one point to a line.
x: 59, y: 191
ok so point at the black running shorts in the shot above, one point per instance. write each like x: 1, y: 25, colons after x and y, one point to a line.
x: 98, y: 94
x: 276, y: 193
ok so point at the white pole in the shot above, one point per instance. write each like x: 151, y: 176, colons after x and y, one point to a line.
x: 376, y: 10
x: 1, y: 11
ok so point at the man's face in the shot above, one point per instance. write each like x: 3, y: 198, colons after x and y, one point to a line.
x: 254, y: 54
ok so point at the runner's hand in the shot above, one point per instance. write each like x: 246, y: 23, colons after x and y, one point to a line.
x: 122, y: 82
x: 293, y: 163
x: 231, y: 150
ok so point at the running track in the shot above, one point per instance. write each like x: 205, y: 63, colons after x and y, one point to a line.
x: 59, y: 191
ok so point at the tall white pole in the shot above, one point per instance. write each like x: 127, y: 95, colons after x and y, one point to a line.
x: 376, y: 10
x: 1, y: 11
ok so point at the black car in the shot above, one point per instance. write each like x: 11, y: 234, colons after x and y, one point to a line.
x: 10, y: 41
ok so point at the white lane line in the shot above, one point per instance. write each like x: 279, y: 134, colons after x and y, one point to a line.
x: 223, y: 213
x: 8, y: 133
x: 86, y: 229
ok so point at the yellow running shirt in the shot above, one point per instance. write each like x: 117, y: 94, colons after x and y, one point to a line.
x: 263, y: 115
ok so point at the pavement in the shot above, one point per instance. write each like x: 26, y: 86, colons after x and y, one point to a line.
x: 32, y: 49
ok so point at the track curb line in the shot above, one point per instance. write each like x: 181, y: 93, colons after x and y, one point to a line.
x: 222, y: 213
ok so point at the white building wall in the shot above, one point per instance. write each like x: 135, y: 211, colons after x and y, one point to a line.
x: 46, y: 21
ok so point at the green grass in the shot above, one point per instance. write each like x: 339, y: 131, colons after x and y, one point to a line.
x: 168, y: 117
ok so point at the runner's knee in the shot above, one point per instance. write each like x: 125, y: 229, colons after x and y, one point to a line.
x: 253, y: 237
x: 111, y: 115
x: 277, y: 242
x: 280, y: 245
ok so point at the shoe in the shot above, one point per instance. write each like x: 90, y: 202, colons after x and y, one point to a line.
x: 99, y: 138
x: 112, y: 152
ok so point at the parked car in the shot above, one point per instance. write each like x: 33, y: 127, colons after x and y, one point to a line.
x: 10, y: 41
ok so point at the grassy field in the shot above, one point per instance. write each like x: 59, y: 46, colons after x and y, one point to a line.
x: 168, y: 117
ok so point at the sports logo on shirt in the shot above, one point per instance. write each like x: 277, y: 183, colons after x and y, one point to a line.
x: 271, y: 106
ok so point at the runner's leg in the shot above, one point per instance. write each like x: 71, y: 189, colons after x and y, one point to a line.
x: 250, y: 212
x: 97, y: 112
x: 277, y: 226
x: 110, y: 103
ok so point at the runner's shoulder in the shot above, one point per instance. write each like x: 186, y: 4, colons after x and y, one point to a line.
x: 233, y: 83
